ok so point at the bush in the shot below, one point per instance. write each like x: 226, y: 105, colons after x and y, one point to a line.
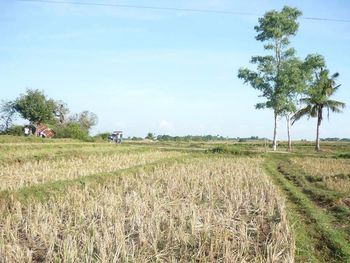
x: 230, y: 150
x: 72, y: 130
x: 16, y: 130
x: 344, y: 155
x: 136, y: 139
x: 102, y: 136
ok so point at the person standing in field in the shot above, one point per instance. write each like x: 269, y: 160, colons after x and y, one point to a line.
x: 26, y: 131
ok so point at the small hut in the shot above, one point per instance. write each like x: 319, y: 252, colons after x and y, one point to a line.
x: 42, y: 130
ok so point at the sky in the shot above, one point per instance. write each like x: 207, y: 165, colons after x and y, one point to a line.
x: 162, y: 71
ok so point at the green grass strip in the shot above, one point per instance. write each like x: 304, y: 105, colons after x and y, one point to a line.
x: 315, y: 225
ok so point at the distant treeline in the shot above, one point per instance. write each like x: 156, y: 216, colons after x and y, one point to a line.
x: 207, y: 138
x: 336, y: 139
x: 204, y: 138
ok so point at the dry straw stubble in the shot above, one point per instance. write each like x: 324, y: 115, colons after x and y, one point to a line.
x: 16, y: 175
x: 205, y: 209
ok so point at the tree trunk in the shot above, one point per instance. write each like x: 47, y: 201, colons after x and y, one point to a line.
x: 274, y: 143
x: 289, y: 132
x: 61, y: 112
x: 319, y: 119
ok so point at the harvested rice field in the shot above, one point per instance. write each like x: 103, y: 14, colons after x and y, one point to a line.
x: 71, y: 201
x: 134, y: 204
x: 334, y: 173
x: 26, y: 173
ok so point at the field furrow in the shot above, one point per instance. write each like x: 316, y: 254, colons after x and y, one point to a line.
x: 19, y: 174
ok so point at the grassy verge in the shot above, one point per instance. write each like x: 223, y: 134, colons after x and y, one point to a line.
x: 314, y: 188
x: 317, y: 239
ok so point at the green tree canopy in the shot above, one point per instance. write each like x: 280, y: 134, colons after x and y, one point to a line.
x: 35, y: 106
x: 277, y: 27
x: 150, y: 136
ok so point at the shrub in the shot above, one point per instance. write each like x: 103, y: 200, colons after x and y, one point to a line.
x: 344, y: 155
x: 102, y: 136
x: 230, y: 150
x: 16, y: 130
x: 72, y: 130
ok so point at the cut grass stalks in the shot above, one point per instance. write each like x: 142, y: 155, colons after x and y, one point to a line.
x: 40, y: 193
x: 24, y: 153
x: 14, y: 176
x: 204, y: 209
x: 331, y: 242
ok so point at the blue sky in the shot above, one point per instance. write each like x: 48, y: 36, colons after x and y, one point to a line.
x: 167, y: 72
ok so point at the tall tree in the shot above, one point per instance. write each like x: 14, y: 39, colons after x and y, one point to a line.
x: 85, y: 119
x: 7, y: 115
x: 35, y: 106
x: 150, y: 136
x: 61, y: 110
x: 318, y: 96
x: 275, y: 29
x: 292, y: 79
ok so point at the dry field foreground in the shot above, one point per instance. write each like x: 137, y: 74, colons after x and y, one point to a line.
x: 203, y: 209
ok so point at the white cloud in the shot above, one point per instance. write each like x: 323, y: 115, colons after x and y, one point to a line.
x: 165, y: 125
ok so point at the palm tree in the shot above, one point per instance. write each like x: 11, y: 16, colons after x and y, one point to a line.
x: 318, y: 99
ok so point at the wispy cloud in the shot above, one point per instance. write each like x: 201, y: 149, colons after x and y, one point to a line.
x: 165, y: 125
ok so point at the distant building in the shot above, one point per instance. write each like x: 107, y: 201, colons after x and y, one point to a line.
x: 42, y: 130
